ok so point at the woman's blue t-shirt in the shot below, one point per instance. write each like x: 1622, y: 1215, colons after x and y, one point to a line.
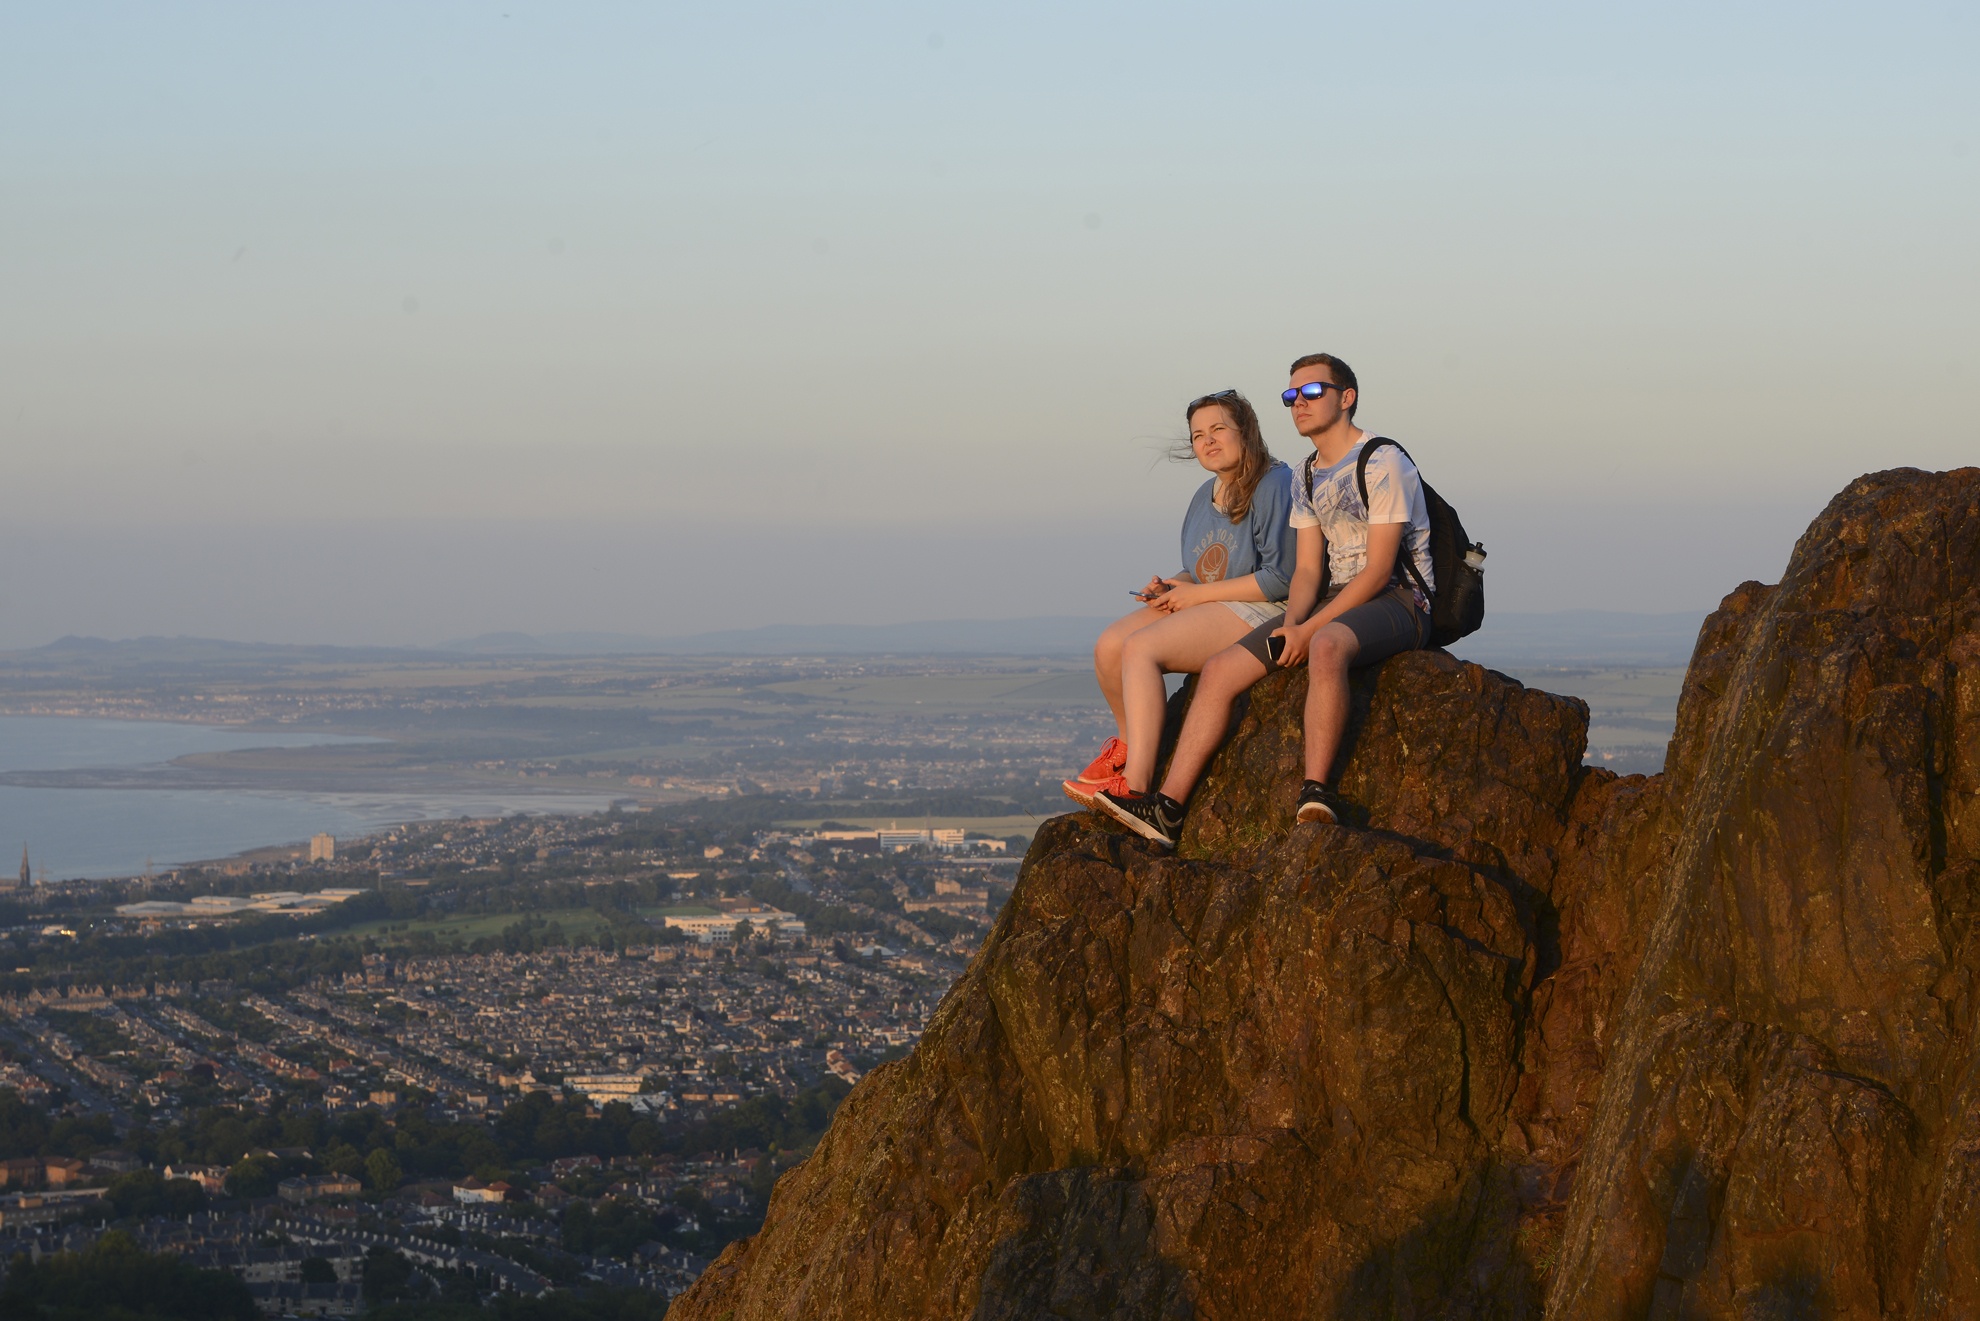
x: 1214, y: 548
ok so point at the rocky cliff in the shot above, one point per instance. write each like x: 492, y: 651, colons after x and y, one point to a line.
x: 1526, y: 1038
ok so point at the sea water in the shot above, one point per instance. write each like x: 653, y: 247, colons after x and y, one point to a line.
x: 74, y: 832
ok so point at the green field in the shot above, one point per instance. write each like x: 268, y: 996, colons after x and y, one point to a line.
x: 472, y: 926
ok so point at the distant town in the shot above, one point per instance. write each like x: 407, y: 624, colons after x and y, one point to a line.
x: 469, y: 1057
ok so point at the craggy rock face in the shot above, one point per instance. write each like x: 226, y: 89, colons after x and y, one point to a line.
x: 1790, y: 1122
x: 1359, y: 1071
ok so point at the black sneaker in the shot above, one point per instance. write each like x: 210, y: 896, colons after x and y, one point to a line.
x: 1151, y: 816
x: 1318, y: 803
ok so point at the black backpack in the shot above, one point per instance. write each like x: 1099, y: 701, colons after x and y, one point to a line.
x: 1457, y: 607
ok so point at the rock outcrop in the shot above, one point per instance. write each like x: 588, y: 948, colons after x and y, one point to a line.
x: 1526, y: 1037
x: 1789, y: 1124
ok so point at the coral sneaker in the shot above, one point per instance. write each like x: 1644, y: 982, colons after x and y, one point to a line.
x: 1087, y: 792
x: 1111, y: 762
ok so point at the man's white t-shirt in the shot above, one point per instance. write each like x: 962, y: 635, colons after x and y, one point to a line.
x: 1395, y: 495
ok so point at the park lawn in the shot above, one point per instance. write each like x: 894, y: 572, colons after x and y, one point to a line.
x: 466, y: 927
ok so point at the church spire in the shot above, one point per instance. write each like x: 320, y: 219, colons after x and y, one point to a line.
x: 27, y: 877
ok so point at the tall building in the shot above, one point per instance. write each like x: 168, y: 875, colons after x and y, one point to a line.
x: 27, y: 877
x: 322, y: 848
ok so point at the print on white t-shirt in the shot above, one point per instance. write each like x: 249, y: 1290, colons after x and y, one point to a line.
x: 1395, y: 495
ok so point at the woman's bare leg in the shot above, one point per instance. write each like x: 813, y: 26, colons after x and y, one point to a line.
x: 1177, y: 645
x: 1107, y: 659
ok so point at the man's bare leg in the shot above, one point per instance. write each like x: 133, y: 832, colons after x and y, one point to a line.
x: 1225, y: 677
x: 1328, y: 658
x: 1180, y: 644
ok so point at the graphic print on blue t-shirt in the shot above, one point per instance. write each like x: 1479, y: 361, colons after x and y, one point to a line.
x: 1211, y: 555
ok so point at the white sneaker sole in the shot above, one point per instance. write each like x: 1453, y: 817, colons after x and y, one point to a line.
x: 1134, y: 823
x: 1311, y: 812
x: 1086, y: 795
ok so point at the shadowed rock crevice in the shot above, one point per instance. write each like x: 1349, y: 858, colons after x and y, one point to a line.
x: 1694, y: 1045
x: 1078, y: 1245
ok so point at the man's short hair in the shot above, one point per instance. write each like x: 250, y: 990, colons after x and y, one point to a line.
x: 1342, y: 373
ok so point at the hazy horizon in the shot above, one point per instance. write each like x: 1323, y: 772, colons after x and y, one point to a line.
x: 387, y: 326
x: 1607, y: 638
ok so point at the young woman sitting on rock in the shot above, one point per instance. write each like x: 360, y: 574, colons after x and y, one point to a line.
x: 1238, y: 555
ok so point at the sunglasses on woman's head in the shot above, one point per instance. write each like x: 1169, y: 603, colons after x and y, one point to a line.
x: 1311, y: 390
x: 1221, y: 397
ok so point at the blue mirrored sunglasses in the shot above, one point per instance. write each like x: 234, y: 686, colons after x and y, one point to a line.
x: 1312, y: 390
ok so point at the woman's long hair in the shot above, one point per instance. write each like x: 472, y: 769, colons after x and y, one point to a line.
x: 1257, y: 459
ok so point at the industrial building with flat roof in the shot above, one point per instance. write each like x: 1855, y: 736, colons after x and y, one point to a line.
x: 229, y: 905
x: 720, y: 928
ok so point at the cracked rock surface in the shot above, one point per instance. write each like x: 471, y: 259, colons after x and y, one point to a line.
x: 1523, y: 1038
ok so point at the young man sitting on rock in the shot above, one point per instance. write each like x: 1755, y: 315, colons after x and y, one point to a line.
x: 1352, y: 602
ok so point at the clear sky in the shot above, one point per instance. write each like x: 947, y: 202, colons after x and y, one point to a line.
x: 395, y: 323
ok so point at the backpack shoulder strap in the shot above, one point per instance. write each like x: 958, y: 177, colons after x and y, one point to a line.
x: 1368, y: 447
x: 1307, y: 469
x: 1361, y: 478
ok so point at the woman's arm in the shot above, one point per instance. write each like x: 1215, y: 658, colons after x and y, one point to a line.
x: 1384, y: 541
x: 1273, y: 538
x: 1184, y: 593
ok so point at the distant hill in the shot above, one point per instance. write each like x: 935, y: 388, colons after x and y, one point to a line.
x: 557, y: 644
x: 107, y: 652
x: 1058, y: 635
x: 207, y: 651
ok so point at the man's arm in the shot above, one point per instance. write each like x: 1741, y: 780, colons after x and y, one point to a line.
x: 1384, y: 541
x: 1310, y: 551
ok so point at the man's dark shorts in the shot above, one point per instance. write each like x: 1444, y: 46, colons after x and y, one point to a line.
x: 1382, y: 627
